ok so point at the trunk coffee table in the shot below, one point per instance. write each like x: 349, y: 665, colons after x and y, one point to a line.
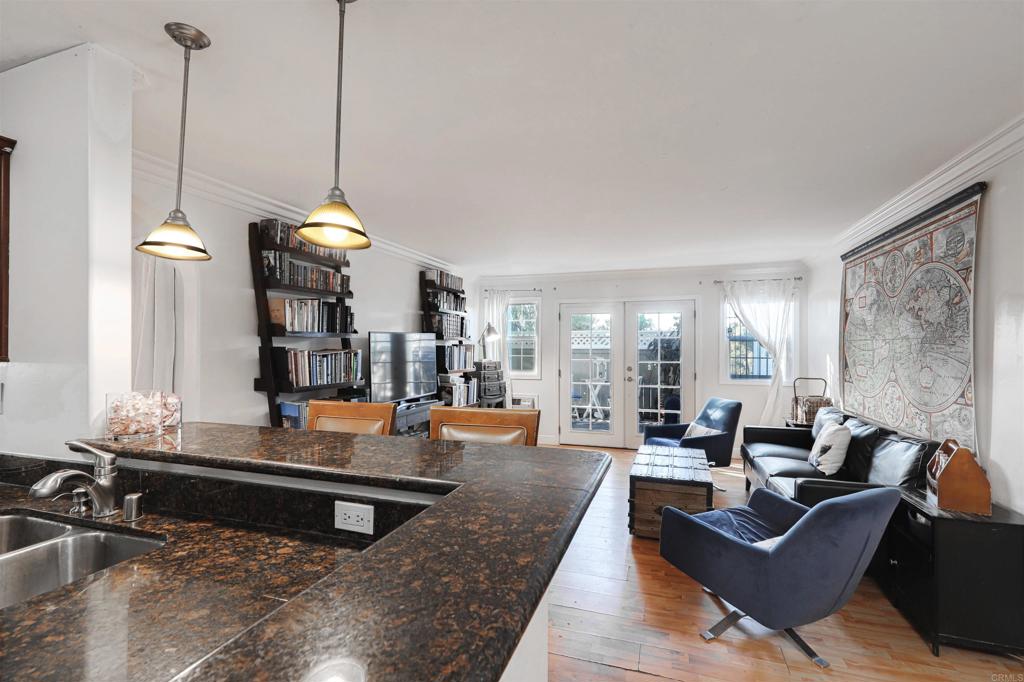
x: 664, y: 476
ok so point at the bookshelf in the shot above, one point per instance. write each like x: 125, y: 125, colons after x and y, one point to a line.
x: 276, y: 261
x: 443, y: 308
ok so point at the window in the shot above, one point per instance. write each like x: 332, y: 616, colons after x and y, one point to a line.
x: 523, y: 339
x: 743, y: 358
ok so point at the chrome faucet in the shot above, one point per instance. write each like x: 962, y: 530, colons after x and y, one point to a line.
x: 100, y: 487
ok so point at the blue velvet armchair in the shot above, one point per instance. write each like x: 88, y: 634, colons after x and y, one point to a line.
x: 719, y: 414
x: 809, y: 573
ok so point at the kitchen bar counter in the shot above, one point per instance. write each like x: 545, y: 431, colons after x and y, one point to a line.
x: 446, y: 596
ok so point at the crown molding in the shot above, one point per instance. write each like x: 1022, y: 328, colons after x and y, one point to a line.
x: 155, y: 169
x: 952, y: 176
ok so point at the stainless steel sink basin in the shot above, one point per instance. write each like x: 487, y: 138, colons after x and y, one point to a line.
x: 63, y: 559
x: 17, y: 531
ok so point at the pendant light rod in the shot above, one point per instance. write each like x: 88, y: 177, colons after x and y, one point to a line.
x: 337, y: 111
x: 181, y: 139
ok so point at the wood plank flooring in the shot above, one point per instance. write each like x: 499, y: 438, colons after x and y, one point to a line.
x: 618, y: 611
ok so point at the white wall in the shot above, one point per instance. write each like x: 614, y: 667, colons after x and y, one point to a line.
x: 998, y: 300
x: 661, y: 284
x: 69, y: 282
x: 220, y: 357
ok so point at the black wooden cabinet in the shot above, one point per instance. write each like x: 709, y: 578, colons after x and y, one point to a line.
x: 958, y: 578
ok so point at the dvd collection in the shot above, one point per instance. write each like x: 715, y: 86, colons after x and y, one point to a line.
x: 445, y: 326
x: 284, y: 234
x: 446, y: 300
x: 443, y: 279
x: 280, y: 265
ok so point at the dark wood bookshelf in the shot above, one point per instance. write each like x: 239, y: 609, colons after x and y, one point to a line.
x: 267, y: 244
x: 288, y: 388
x: 272, y: 380
x: 277, y: 334
x: 430, y: 305
x: 430, y: 286
x: 274, y: 284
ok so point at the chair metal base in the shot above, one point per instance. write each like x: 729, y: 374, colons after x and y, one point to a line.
x: 716, y: 630
x: 733, y: 617
x: 806, y: 648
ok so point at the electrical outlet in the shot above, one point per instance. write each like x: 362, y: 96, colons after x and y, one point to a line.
x: 354, y: 517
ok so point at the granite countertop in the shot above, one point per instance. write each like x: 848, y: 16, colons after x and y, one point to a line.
x: 446, y: 596
x: 154, y: 615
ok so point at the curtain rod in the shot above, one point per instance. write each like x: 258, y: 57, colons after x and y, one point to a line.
x: 770, y: 279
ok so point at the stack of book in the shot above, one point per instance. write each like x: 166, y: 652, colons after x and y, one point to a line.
x: 283, y: 234
x: 280, y: 265
x: 324, y: 367
x: 310, y: 315
x: 294, y: 413
x: 446, y: 300
x: 446, y: 326
x: 457, y: 391
x: 457, y: 357
x: 443, y: 279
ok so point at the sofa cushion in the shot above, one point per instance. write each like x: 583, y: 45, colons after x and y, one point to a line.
x: 783, y: 485
x: 826, y: 415
x: 860, y: 452
x: 829, y: 451
x: 755, y: 450
x: 899, y: 460
x: 766, y: 467
x: 695, y: 430
x: 742, y: 523
x: 671, y: 442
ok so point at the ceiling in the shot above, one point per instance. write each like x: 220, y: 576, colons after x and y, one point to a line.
x: 521, y: 137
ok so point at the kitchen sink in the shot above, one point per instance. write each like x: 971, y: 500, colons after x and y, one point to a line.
x: 67, y: 554
x: 17, y: 531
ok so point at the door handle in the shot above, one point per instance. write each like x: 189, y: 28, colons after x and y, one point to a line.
x: 629, y: 378
x: 629, y: 368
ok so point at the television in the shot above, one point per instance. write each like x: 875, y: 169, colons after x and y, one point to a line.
x: 403, y: 366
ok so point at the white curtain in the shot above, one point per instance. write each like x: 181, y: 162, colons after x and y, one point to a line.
x: 765, y: 307
x: 156, y: 328
x: 496, y: 312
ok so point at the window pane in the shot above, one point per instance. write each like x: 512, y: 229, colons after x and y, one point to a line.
x: 527, y: 364
x: 648, y: 374
x: 669, y: 374
x: 747, y: 359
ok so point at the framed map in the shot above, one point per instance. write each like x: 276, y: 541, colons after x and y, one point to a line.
x: 906, y: 335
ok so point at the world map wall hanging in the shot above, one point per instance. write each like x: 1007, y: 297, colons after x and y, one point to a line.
x: 906, y: 335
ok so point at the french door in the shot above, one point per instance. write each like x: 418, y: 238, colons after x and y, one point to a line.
x: 622, y: 366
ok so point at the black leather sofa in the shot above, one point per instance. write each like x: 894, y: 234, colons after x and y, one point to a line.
x: 776, y: 458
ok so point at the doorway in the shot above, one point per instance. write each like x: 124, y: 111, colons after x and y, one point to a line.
x: 622, y: 366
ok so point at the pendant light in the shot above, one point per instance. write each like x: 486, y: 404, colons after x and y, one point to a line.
x: 176, y: 239
x: 333, y: 223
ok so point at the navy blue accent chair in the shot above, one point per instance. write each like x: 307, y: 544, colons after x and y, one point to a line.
x: 810, y: 572
x: 719, y: 414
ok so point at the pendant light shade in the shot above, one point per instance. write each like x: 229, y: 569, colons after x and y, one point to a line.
x: 175, y: 239
x: 333, y: 223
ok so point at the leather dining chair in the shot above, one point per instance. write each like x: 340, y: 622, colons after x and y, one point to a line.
x: 498, y: 426
x: 375, y: 419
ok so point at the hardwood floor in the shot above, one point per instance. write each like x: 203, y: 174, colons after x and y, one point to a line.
x: 618, y: 611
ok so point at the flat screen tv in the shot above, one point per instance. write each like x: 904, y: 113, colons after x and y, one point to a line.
x: 403, y: 366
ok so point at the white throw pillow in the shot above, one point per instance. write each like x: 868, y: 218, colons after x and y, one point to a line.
x: 695, y: 429
x: 829, y: 451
